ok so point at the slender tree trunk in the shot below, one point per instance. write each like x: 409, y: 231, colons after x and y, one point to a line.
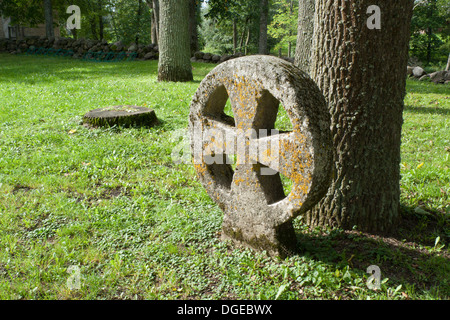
x: 114, y: 24
x: 291, y: 12
x: 156, y: 19
x: 48, y: 13
x: 174, y: 45
x: 264, y: 18
x: 361, y: 73
x: 247, y: 41
x: 244, y: 29
x: 138, y: 22
x: 193, y: 26
x: 152, y: 21
x: 305, y: 34
x: 93, y: 28
x: 235, y: 36
x: 448, y: 63
x: 101, y: 27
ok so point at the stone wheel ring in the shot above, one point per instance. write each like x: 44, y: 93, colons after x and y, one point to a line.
x: 257, y: 212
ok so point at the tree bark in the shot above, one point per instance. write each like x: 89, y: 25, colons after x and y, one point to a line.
x: 361, y: 73
x: 156, y: 19
x: 305, y: 34
x: 48, y: 14
x: 174, y: 41
x: 264, y: 17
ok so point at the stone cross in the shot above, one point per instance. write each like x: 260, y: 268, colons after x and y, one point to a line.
x: 257, y: 212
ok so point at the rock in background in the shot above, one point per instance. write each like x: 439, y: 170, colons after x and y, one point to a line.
x: 80, y: 47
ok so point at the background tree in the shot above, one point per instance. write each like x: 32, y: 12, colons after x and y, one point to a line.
x: 430, y: 40
x: 305, y: 33
x: 154, y: 20
x: 263, y: 22
x: 133, y: 21
x: 194, y: 18
x: 48, y: 13
x: 231, y: 26
x: 174, y: 41
x: 361, y: 73
x: 23, y: 13
x: 283, y: 27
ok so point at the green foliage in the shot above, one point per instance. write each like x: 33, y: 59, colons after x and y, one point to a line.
x: 430, y: 37
x: 284, y: 22
x: 217, y: 27
x: 23, y: 12
x: 130, y: 21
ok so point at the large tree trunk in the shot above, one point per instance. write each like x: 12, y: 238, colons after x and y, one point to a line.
x: 263, y: 27
x: 48, y: 14
x: 174, y: 41
x: 361, y: 72
x: 305, y: 34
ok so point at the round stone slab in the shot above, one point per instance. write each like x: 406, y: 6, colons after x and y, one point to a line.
x: 123, y: 115
x: 257, y: 212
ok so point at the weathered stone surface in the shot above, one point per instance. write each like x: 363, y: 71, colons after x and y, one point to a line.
x: 257, y: 212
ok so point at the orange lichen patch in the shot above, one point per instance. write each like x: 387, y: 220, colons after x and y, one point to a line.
x: 201, y: 169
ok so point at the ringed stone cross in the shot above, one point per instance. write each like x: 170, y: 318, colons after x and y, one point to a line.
x: 257, y: 212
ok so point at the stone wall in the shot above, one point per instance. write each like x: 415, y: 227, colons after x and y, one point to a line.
x: 81, y: 47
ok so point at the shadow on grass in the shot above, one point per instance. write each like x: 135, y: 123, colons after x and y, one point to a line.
x: 41, y: 69
x: 427, y: 110
x: 408, y: 257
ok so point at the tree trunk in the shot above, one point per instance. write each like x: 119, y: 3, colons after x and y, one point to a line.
x: 156, y: 19
x: 305, y: 34
x: 263, y: 27
x: 48, y: 13
x: 93, y: 28
x: 193, y: 26
x: 235, y: 36
x: 448, y: 64
x: 138, y: 22
x: 244, y: 29
x: 361, y: 73
x: 174, y: 44
x: 247, y: 41
x: 101, y: 27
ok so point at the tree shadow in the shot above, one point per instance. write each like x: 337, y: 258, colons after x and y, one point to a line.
x: 408, y: 256
x: 51, y: 69
x: 427, y: 110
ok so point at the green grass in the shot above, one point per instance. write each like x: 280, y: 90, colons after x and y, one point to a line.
x: 139, y: 226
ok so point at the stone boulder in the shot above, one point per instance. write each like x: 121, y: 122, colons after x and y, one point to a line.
x: 418, y: 72
x: 440, y: 76
x: 409, y: 71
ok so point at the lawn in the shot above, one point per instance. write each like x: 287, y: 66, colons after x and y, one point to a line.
x: 112, y: 204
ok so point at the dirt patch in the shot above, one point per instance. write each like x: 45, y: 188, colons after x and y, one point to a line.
x: 18, y: 187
